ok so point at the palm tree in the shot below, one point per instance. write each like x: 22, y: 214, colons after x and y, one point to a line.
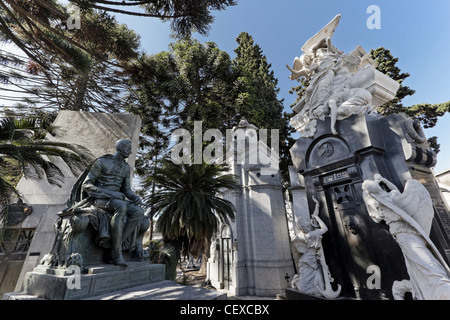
x: 22, y: 150
x: 188, y: 204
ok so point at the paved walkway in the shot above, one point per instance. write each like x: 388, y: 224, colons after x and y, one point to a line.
x: 187, y: 287
x: 163, y: 290
x: 191, y: 289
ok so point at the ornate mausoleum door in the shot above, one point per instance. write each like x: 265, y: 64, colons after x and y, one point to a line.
x: 13, y: 250
x: 227, y: 257
x: 334, y: 168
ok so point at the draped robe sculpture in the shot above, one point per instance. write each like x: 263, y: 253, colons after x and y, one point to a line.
x: 409, y: 215
x: 313, y: 275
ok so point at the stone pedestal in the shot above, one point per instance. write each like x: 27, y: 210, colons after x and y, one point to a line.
x: 61, y: 284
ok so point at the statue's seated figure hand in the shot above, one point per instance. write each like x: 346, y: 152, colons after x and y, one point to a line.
x: 116, y: 195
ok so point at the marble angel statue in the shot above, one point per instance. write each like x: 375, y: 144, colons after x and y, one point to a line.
x: 347, y: 100
x: 409, y: 216
x: 331, y: 91
x: 313, y: 275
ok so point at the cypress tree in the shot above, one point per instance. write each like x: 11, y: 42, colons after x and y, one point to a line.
x: 257, y: 96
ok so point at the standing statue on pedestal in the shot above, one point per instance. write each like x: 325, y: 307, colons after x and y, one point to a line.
x: 313, y: 275
x: 409, y: 215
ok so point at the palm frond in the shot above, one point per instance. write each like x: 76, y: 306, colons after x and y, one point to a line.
x: 188, y: 199
x: 38, y: 155
x: 7, y: 127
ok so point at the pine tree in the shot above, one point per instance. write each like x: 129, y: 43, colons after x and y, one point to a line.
x: 44, y: 23
x: 427, y: 113
x: 387, y: 65
x: 81, y: 68
x: 170, y: 90
x: 192, y: 82
x: 257, y: 96
x: 185, y: 16
x: 62, y: 75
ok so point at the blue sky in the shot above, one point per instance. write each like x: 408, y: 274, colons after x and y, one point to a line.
x: 417, y: 32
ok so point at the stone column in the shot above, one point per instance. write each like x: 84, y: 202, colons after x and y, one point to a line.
x: 261, y: 252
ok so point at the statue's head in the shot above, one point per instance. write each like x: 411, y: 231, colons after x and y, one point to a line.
x: 371, y: 186
x: 351, y: 63
x: 306, y: 59
x: 123, y: 147
x: 303, y: 225
x: 374, y: 208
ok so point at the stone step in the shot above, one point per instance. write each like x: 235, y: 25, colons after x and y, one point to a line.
x: 57, y: 284
x: 162, y: 290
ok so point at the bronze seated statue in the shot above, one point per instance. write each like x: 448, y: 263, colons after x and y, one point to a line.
x: 104, y: 219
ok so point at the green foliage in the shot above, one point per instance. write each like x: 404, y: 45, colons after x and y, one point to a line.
x: 41, y: 24
x: 434, y: 144
x: 427, y: 113
x: 80, y: 69
x: 199, y: 82
x: 299, y: 89
x: 164, y: 253
x: 185, y: 16
x: 22, y: 151
x: 257, y: 100
x: 192, y: 82
x: 387, y: 65
x: 191, y: 16
x: 27, y: 152
x: 187, y: 201
x: 205, y: 76
x: 256, y: 97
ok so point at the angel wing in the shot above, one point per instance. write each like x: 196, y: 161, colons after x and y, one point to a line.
x: 326, y: 32
x: 297, y: 69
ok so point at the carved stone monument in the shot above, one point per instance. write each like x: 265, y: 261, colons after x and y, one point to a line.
x: 251, y: 255
x: 409, y: 215
x: 102, y: 208
x: 344, y: 142
x: 47, y: 200
x: 313, y: 274
x: 100, y: 223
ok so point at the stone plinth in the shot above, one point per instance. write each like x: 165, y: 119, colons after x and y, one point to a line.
x: 382, y: 87
x: 98, y: 133
x: 52, y: 284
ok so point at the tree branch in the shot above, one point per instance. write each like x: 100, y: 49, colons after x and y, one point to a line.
x: 161, y: 16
